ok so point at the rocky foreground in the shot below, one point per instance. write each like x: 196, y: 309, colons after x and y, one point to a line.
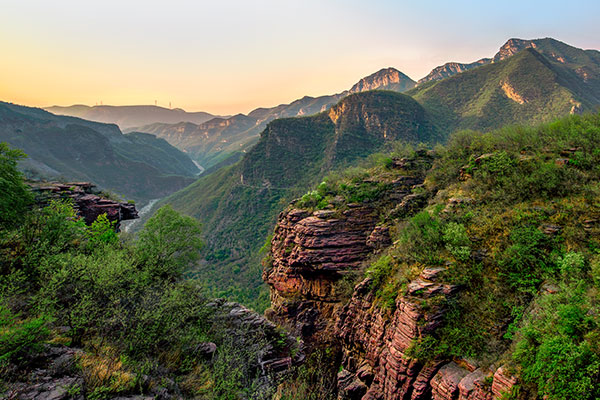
x: 316, y: 254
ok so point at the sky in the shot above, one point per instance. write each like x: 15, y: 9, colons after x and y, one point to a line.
x: 231, y: 56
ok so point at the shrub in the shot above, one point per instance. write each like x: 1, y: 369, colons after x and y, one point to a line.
x: 456, y: 240
x: 524, y: 263
x: 102, y: 231
x: 554, y: 350
x: 380, y: 271
x: 422, y: 238
x: 20, y: 339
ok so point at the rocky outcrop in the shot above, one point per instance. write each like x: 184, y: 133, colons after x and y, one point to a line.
x: 311, y: 253
x: 450, y: 69
x: 512, y: 47
x: 384, y: 79
x: 378, y: 341
x: 315, y: 256
x: 55, y: 378
x: 88, y: 203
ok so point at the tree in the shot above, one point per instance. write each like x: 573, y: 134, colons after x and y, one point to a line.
x: 168, y: 243
x: 14, y: 194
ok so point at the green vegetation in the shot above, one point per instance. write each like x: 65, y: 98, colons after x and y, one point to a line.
x: 526, y: 88
x: 14, y: 194
x: 127, y: 305
x: 514, y: 223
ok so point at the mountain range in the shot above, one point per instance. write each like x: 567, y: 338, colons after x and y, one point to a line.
x: 138, y: 166
x: 238, y: 204
x: 216, y: 140
x: 127, y: 117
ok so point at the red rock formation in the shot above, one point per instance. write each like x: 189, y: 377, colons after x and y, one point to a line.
x: 88, y: 204
x: 311, y: 254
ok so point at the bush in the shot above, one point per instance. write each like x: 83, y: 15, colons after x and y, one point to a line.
x: 554, y: 347
x: 19, y: 339
x: 526, y: 261
x: 380, y: 271
x: 422, y: 238
x: 456, y: 240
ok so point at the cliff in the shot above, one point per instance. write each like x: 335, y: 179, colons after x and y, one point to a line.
x: 315, y: 257
x: 443, y: 283
x: 452, y: 68
x: 384, y: 79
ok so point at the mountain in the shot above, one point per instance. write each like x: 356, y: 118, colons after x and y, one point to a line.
x: 130, y: 116
x: 526, y: 88
x: 583, y: 62
x: 237, y: 205
x: 215, y: 140
x: 384, y: 79
x: 136, y: 165
x: 451, y: 68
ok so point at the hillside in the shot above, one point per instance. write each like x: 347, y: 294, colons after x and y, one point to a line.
x: 471, y: 272
x: 526, y: 88
x: 215, y: 140
x: 238, y: 204
x: 129, y: 116
x: 137, y: 166
x: 85, y: 315
x: 583, y: 63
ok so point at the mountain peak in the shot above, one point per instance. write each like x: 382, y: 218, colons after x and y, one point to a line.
x: 384, y: 79
x: 512, y: 47
x: 451, y: 68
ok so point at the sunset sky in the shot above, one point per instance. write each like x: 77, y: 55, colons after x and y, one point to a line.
x: 233, y: 56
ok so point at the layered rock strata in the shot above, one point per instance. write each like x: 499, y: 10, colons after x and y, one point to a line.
x: 88, y: 203
x: 315, y: 254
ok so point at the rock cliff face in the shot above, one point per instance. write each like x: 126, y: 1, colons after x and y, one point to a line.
x: 88, y: 203
x: 512, y: 47
x: 375, y: 343
x: 384, y: 79
x: 316, y: 254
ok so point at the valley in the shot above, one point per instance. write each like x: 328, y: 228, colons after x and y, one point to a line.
x: 430, y: 239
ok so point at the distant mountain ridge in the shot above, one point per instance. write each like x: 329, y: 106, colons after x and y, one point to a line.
x: 451, y: 68
x: 130, y: 116
x: 137, y: 165
x: 213, y: 141
x: 549, y: 47
x: 527, y: 82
